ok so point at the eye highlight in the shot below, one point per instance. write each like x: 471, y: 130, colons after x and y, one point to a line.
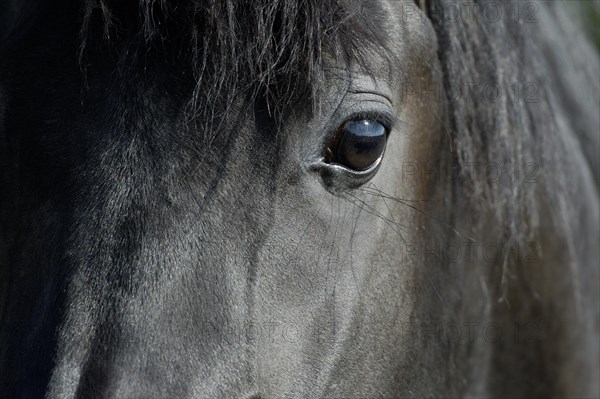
x: 358, y: 144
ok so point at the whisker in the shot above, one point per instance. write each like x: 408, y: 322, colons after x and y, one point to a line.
x: 392, y: 224
x: 372, y: 211
x: 369, y: 190
x: 384, y: 195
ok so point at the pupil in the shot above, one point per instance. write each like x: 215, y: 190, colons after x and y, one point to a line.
x: 361, y: 144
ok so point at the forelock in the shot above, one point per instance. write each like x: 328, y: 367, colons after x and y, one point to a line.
x: 272, y: 48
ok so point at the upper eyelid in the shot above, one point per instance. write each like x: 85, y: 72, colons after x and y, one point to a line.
x: 381, y: 107
x: 381, y: 95
x: 375, y: 106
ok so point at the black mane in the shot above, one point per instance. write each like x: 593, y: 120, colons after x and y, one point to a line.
x: 528, y: 127
x: 272, y: 48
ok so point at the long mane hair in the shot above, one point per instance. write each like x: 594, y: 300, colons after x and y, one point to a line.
x: 274, y: 49
x: 552, y: 125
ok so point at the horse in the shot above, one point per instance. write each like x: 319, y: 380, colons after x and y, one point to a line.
x: 280, y: 198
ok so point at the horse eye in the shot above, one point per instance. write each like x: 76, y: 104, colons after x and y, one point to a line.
x: 358, y: 144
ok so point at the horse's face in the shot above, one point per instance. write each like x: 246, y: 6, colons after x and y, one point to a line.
x: 244, y: 199
x: 258, y: 263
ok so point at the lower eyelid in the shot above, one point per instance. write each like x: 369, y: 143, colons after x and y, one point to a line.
x: 336, y: 177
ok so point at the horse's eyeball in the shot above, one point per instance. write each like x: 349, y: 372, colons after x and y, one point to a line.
x: 358, y: 144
